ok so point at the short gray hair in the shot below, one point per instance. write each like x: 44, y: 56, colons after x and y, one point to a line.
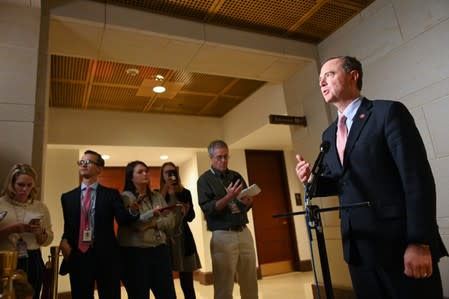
x: 216, y: 144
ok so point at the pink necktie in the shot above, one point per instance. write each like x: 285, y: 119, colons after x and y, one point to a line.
x: 84, y: 220
x: 342, y: 136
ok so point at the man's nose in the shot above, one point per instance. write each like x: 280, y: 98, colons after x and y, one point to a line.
x: 323, y: 82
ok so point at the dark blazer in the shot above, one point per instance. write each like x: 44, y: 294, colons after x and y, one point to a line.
x: 385, y: 163
x: 108, y: 205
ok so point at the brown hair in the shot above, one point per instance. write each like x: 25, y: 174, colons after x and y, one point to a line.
x: 162, y: 181
x: 350, y: 64
x: 17, y: 170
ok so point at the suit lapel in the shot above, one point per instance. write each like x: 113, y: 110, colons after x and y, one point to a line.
x: 98, y: 197
x: 75, y: 205
x: 359, y: 121
x: 335, y: 162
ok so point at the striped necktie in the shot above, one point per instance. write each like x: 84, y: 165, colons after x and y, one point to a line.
x: 342, y: 136
x: 84, y: 220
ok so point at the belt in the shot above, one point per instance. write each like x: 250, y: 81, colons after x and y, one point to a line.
x: 236, y: 228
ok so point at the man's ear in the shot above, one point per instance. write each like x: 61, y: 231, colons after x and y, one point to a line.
x: 354, y: 75
x: 99, y: 169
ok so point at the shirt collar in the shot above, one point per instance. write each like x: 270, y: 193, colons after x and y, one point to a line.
x: 218, y: 173
x: 351, y: 109
x: 93, y: 186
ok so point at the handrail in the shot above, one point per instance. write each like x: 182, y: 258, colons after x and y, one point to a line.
x: 50, y: 286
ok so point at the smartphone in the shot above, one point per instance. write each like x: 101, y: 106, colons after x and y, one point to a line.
x: 3, y: 214
x: 35, y: 221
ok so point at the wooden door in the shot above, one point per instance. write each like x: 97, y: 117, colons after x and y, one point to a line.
x: 275, y: 238
x: 114, y: 177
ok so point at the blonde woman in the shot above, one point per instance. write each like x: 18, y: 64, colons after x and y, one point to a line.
x: 26, y: 226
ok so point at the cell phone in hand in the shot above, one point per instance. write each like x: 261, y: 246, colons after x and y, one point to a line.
x: 35, y: 221
x: 3, y: 214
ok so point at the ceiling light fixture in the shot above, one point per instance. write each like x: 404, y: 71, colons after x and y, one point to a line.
x: 106, y: 157
x: 163, y: 157
x: 132, y: 72
x: 159, y: 88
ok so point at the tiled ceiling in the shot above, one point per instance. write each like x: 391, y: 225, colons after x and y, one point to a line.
x: 83, y: 83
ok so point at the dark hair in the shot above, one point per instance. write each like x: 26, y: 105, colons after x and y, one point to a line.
x: 350, y: 64
x: 216, y: 144
x: 129, y: 172
x: 162, y: 181
x: 100, y: 160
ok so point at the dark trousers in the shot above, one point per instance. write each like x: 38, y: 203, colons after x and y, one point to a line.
x: 34, y: 267
x: 146, y: 269
x: 394, y: 284
x: 186, y: 280
x: 86, y: 269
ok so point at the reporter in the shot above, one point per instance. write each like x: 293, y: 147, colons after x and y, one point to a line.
x: 143, y: 244
x: 26, y: 226
x: 184, y: 255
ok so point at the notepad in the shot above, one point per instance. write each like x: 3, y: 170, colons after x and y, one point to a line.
x: 252, y: 190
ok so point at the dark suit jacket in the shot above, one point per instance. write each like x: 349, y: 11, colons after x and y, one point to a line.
x: 108, y: 205
x: 385, y: 163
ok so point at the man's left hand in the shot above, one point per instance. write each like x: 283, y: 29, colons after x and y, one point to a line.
x: 247, y: 201
x: 417, y: 261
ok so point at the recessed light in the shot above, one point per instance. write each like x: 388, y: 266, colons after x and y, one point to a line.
x: 164, y: 157
x: 106, y: 157
x: 159, y: 89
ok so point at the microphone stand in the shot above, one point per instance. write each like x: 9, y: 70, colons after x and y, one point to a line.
x: 313, y: 221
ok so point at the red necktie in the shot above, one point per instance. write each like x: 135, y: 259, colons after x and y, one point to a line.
x: 84, y: 220
x: 342, y: 136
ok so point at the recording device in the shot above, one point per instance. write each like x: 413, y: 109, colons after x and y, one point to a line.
x: 172, y: 175
x: 324, y: 148
x: 3, y: 214
x: 35, y: 221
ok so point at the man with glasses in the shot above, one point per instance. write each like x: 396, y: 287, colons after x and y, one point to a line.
x: 89, y: 245
x: 232, y: 245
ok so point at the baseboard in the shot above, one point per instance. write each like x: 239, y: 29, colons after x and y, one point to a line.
x: 207, y: 278
x: 65, y: 295
x: 305, y: 266
x: 339, y: 293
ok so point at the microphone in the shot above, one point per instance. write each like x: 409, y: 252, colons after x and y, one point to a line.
x: 324, y: 148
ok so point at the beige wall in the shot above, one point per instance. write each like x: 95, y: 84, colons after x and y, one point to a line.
x: 70, y: 126
x: 61, y: 176
x: 22, y: 102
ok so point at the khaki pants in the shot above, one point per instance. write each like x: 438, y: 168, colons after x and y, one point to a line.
x: 233, y: 252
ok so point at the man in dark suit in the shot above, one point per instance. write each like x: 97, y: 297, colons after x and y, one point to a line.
x: 89, y: 245
x: 392, y: 247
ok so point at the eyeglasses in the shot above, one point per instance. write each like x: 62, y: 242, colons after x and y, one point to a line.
x: 222, y: 157
x: 85, y: 162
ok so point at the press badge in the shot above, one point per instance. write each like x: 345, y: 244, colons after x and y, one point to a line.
x: 234, y: 208
x: 87, y: 235
x: 21, y: 247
